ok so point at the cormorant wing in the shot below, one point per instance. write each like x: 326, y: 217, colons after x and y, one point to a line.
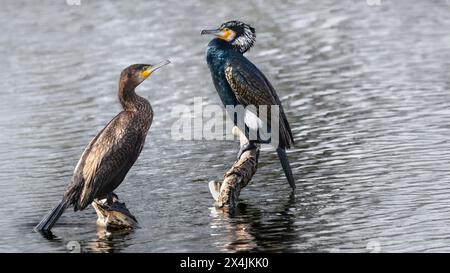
x: 105, y: 162
x: 251, y: 87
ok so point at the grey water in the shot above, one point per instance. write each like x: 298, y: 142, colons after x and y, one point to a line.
x: 366, y: 89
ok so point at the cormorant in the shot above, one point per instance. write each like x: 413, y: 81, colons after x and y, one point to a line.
x: 239, y: 82
x: 109, y: 156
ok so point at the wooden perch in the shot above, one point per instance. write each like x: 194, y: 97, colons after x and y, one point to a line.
x: 226, y: 192
x: 115, y: 216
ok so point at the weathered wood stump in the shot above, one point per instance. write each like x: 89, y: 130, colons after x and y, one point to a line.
x: 226, y: 192
x: 114, y: 217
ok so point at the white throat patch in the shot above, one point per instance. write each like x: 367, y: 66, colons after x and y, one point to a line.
x: 245, y: 41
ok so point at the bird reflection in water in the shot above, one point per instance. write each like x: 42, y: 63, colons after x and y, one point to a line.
x: 108, y: 241
x: 249, y: 230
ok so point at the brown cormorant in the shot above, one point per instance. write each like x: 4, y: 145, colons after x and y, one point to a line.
x: 109, y: 156
x: 240, y: 82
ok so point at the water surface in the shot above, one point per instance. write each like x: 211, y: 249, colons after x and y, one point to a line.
x: 365, y: 88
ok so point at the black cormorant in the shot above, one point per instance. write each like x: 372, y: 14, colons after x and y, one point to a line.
x: 109, y: 156
x: 240, y: 82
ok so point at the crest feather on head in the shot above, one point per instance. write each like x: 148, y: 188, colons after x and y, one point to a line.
x: 245, y: 35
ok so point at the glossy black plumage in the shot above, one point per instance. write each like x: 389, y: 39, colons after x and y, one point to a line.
x: 239, y: 82
x: 112, y: 152
x: 251, y: 87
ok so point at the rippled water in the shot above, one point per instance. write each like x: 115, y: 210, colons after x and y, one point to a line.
x: 366, y: 89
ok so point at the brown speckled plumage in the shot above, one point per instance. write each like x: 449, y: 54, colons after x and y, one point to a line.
x: 109, y: 156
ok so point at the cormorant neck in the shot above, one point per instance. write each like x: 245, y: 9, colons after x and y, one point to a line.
x: 220, y: 44
x: 129, y: 99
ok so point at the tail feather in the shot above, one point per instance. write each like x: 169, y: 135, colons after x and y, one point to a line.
x: 286, y: 167
x: 50, y: 219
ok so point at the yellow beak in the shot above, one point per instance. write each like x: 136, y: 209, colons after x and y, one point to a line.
x: 150, y: 69
x: 222, y: 34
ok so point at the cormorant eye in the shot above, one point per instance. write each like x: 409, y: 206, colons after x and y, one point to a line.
x: 226, y: 29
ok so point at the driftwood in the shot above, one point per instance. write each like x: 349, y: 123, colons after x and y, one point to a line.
x: 226, y: 192
x: 114, y: 217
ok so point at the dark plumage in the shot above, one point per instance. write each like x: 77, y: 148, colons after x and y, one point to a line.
x: 109, y: 156
x: 239, y: 82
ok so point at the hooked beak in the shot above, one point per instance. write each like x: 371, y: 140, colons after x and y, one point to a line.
x: 215, y: 32
x: 150, y: 69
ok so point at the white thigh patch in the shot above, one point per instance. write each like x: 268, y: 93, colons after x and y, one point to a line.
x: 252, y: 120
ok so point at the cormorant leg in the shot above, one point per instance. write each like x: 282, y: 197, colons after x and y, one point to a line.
x: 102, y: 205
x: 110, y: 198
x: 246, y: 147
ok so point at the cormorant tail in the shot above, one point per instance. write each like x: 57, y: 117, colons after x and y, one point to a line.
x: 286, y: 167
x: 50, y: 219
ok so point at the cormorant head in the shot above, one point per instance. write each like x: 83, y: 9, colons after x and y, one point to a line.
x: 240, y: 35
x: 135, y: 74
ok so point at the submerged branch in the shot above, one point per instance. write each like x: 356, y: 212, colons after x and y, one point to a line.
x: 226, y: 192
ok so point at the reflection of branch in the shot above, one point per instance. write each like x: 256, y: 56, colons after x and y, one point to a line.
x: 115, y: 216
x: 250, y: 229
x: 225, y: 193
